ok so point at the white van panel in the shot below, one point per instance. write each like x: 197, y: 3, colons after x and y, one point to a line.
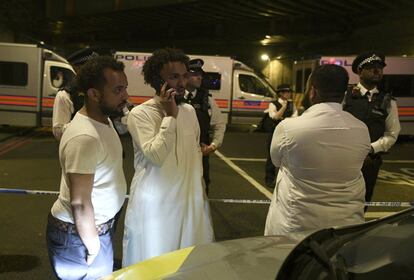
x: 20, y: 104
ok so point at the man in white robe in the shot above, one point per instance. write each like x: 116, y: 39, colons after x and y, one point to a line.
x: 167, y: 208
x: 320, y: 155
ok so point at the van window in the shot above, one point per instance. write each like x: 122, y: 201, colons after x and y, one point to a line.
x: 211, y: 81
x: 399, y: 85
x: 59, y: 76
x: 13, y: 73
x: 251, y: 84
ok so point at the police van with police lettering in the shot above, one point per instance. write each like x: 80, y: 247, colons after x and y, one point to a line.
x: 240, y: 93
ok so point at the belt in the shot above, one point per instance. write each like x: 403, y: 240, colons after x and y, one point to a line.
x: 71, y: 228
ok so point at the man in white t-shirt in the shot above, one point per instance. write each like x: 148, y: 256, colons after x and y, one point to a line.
x: 93, y: 187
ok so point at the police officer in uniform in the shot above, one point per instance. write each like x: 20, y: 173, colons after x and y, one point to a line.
x: 278, y: 110
x: 377, y: 109
x: 212, y: 126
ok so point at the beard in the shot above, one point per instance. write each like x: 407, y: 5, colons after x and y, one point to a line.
x: 110, y: 111
x: 179, y: 97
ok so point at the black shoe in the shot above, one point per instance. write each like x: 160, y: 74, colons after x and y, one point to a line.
x: 117, y: 264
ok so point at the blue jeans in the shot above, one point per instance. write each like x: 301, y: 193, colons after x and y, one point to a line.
x: 67, y: 255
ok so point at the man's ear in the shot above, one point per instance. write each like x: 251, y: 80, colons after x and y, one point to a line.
x: 313, y: 95
x: 93, y: 94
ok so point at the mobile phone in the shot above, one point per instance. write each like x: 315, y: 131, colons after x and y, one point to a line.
x: 157, y: 84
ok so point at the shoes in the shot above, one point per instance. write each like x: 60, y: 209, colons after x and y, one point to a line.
x: 117, y: 264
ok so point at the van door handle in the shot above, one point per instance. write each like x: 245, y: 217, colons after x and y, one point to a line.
x: 52, y: 94
x: 242, y: 97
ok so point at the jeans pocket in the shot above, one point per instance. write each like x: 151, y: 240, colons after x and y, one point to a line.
x: 56, y: 238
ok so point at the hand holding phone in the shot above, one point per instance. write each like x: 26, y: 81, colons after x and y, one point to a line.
x: 166, y: 94
x: 158, y: 83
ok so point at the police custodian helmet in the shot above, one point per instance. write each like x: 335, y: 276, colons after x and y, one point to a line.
x: 196, y: 65
x: 367, y: 58
x: 283, y: 87
x: 82, y: 56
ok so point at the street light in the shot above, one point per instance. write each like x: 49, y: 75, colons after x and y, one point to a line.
x: 265, y: 57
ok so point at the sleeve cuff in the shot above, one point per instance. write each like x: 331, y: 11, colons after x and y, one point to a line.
x: 376, y: 147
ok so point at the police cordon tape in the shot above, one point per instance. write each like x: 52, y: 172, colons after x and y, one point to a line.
x: 222, y: 200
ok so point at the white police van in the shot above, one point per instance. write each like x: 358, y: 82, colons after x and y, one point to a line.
x: 398, y: 79
x: 30, y: 77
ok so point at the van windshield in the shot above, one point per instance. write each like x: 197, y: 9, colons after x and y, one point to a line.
x: 59, y: 76
x: 251, y: 84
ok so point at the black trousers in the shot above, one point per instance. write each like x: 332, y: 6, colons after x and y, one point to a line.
x: 206, y: 172
x: 270, y: 169
x: 370, y: 170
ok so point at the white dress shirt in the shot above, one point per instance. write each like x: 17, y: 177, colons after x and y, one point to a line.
x: 319, y: 183
x: 392, y: 124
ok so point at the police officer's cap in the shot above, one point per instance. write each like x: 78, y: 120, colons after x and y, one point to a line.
x: 196, y: 65
x: 81, y: 56
x: 367, y: 58
x: 283, y: 87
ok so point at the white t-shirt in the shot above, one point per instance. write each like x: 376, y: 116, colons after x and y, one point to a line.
x: 62, y: 112
x: 91, y: 147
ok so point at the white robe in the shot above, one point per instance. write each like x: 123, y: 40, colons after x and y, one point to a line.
x: 167, y: 208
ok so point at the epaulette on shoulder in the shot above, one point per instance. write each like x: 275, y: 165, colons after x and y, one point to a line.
x: 391, y: 96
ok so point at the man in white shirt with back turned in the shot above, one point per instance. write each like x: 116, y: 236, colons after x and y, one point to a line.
x: 320, y: 155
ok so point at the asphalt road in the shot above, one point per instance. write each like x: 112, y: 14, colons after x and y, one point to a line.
x: 28, y: 160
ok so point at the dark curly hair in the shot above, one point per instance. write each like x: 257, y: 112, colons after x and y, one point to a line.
x: 152, y: 67
x: 91, y: 74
